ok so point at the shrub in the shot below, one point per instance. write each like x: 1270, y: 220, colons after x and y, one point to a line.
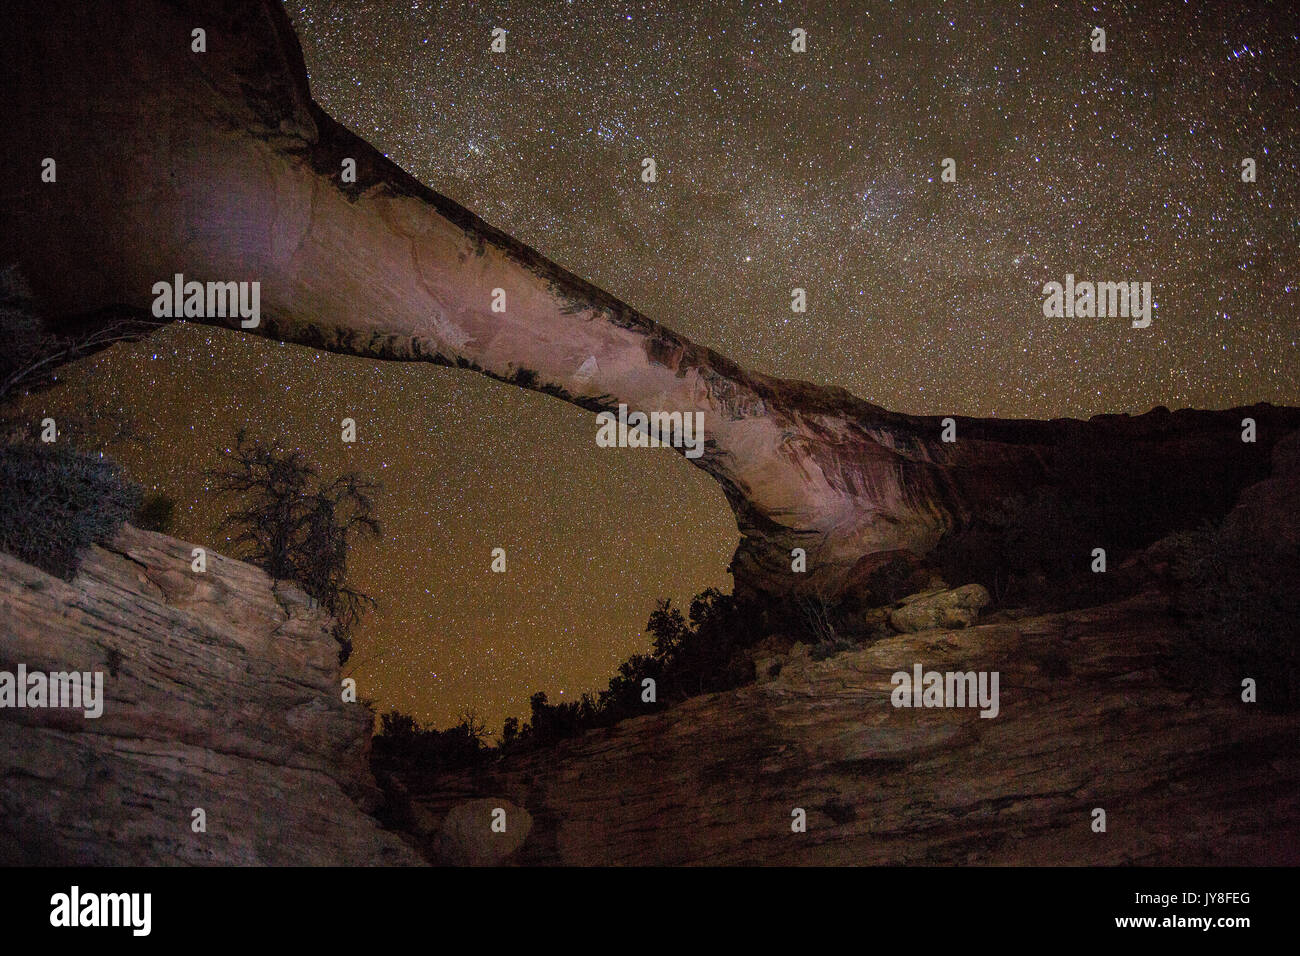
x: 819, y: 622
x: 698, y: 653
x: 58, y: 501
x: 690, y: 654
x: 156, y: 513
x: 403, y: 742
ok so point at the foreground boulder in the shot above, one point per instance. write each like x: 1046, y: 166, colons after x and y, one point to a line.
x: 926, y: 611
x: 481, y: 832
x: 220, y: 694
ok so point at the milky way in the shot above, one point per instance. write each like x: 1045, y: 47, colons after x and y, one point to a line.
x: 821, y: 170
x: 776, y: 170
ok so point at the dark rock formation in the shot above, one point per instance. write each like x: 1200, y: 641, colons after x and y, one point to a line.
x: 220, y: 167
x: 221, y: 693
x: 1271, y: 508
x: 466, y: 836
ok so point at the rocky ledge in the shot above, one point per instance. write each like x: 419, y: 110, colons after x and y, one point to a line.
x: 1085, y: 721
x: 220, y: 693
x: 1090, y: 712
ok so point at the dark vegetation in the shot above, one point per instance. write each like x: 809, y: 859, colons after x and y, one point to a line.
x: 402, y: 741
x: 297, y: 526
x: 59, y: 500
x: 60, y: 496
x: 700, y: 652
x: 156, y: 512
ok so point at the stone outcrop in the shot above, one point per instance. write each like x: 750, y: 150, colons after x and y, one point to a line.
x: 958, y: 607
x: 1085, y: 721
x: 221, y: 694
x: 1271, y: 508
x: 220, y: 167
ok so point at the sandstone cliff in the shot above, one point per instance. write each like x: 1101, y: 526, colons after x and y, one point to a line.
x: 219, y: 166
x: 222, y: 693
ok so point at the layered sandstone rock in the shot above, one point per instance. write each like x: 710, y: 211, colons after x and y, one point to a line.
x: 221, y: 693
x: 220, y: 167
x: 1085, y: 721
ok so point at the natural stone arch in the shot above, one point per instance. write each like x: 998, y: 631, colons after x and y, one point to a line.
x: 219, y: 166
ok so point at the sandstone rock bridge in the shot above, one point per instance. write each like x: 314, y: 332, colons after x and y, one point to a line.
x: 219, y: 166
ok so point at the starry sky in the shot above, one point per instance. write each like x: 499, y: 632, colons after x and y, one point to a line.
x: 776, y: 170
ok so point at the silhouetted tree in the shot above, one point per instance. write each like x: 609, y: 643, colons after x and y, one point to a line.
x: 403, y: 742
x: 509, y: 731
x: 298, y: 527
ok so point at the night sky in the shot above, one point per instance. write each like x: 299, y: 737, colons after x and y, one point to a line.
x: 776, y: 169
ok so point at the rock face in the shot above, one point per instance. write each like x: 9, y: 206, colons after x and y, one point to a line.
x: 220, y: 167
x: 221, y: 693
x: 1084, y: 722
x: 1271, y: 508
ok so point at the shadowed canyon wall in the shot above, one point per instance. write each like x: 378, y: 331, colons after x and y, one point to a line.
x: 220, y: 167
